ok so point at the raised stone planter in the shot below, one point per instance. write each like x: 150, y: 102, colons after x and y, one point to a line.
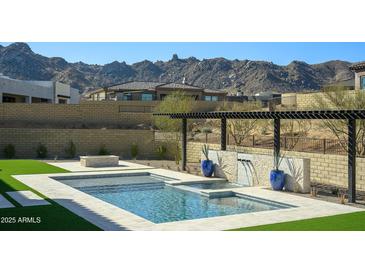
x: 99, y: 161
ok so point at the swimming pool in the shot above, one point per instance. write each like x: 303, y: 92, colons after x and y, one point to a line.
x: 150, y: 197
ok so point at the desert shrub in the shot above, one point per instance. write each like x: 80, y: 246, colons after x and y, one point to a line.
x: 343, y: 100
x: 103, y: 150
x: 177, y: 153
x: 9, y: 151
x: 240, y: 129
x: 41, y: 151
x: 70, y: 150
x: 134, y: 150
x: 161, y: 152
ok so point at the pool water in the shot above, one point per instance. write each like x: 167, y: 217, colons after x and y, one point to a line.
x: 160, y: 203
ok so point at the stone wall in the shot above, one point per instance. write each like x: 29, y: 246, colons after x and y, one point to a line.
x: 87, y: 141
x: 324, y: 168
x: 85, y: 114
x: 88, y: 113
x: 249, y: 169
x: 305, y: 101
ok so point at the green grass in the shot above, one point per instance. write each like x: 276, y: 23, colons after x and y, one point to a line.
x: 343, y: 222
x: 53, y: 217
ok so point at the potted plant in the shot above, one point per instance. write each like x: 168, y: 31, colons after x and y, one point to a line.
x: 277, y: 176
x: 207, y: 165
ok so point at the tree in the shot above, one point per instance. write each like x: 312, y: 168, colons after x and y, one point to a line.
x: 240, y: 129
x: 175, y: 103
x: 294, y: 129
x: 206, y: 131
x: 343, y: 100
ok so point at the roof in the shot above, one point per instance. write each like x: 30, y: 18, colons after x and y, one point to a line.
x: 141, y: 85
x: 179, y: 86
x: 207, y: 90
x: 136, y: 85
x: 358, y: 66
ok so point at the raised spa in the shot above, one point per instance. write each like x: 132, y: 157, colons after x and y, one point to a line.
x: 150, y: 197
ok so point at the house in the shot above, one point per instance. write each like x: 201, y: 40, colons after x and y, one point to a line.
x: 359, y: 69
x: 152, y: 91
x: 21, y: 91
x: 265, y: 97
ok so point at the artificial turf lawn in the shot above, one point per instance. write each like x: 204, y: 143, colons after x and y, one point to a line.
x: 53, y: 217
x: 343, y: 222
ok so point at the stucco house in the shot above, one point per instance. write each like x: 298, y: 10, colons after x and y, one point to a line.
x: 21, y: 91
x: 152, y: 91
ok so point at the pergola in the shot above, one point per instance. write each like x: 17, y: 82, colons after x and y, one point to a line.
x: 350, y: 115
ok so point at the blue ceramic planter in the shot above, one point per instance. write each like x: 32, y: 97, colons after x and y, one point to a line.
x: 277, y: 179
x: 207, y: 168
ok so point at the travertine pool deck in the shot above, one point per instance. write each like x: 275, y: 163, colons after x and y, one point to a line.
x: 27, y: 198
x: 4, y: 203
x: 110, y: 217
x: 75, y: 166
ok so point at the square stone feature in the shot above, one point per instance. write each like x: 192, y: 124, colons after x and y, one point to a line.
x: 99, y: 161
x: 5, y: 203
x: 27, y: 198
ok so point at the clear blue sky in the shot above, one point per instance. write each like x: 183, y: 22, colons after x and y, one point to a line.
x: 279, y: 53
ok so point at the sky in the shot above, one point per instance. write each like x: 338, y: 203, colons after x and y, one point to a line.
x: 131, y: 52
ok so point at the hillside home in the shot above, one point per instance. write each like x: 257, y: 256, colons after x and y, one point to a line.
x: 20, y: 91
x: 152, y: 91
x: 359, y: 69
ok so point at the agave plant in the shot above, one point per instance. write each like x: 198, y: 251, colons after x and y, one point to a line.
x: 205, y: 150
x: 278, y: 158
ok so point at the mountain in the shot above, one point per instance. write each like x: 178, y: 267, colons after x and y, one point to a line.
x: 18, y: 61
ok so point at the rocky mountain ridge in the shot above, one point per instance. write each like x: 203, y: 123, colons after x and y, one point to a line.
x: 18, y: 61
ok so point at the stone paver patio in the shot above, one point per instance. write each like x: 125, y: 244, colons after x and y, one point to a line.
x: 4, y: 203
x: 27, y: 198
x: 110, y: 217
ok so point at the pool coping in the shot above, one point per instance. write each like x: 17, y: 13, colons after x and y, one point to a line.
x: 75, y: 166
x: 110, y: 217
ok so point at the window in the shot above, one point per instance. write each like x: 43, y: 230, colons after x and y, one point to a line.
x: 62, y: 101
x: 362, y: 82
x: 102, y: 96
x: 8, y: 99
x: 147, y: 97
x: 211, y: 98
x: 127, y: 97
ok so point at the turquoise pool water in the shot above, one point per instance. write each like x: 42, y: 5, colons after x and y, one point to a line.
x: 150, y: 198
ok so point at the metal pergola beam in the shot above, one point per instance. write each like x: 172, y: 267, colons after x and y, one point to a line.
x: 184, y: 130
x: 350, y: 115
x: 223, y: 134
x: 276, y: 137
x: 351, y: 147
x: 297, y: 115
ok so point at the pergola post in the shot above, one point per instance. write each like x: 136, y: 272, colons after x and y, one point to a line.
x: 223, y: 134
x: 351, y: 144
x: 184, y: 143
x: 276, y: 137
